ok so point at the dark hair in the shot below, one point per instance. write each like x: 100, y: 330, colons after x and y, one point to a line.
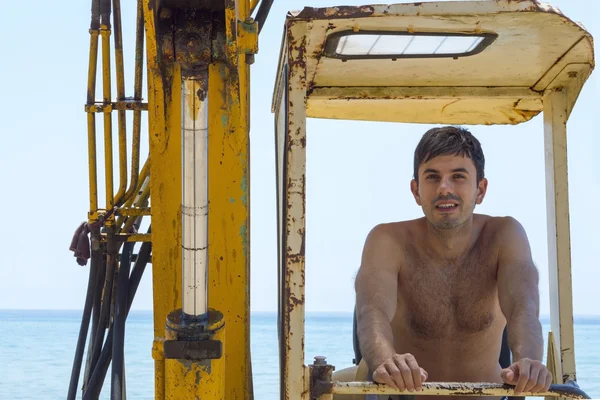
x: 449, y: 140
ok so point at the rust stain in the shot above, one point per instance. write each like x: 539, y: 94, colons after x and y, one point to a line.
x: 309, y: 13
x: 449, y: 104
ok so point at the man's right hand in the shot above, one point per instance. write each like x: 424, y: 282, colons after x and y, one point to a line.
x: 401, y: 371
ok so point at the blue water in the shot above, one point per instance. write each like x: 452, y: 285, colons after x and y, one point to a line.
x: 37, y: 348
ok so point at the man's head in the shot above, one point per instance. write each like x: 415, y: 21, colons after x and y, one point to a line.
x: 449, y: 176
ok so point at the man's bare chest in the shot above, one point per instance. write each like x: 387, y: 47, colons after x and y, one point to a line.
x: 441, y: 299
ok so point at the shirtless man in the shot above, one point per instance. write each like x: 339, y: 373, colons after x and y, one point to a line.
x: 434, y: 294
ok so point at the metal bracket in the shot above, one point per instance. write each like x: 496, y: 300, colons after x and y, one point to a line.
x: 194, y: 351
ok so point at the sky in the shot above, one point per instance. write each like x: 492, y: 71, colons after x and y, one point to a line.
x: 358, y: 173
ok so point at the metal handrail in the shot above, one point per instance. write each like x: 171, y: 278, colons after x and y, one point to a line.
x: 447, y: 389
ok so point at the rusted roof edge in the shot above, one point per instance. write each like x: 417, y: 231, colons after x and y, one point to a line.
x: 418, y: 8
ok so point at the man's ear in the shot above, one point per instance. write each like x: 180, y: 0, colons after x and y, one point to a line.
x: 481, y: 190
x: 414, y: 188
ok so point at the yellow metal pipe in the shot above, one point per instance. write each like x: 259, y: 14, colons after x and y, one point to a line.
x: 158, y: 354
x: 108, y: 158
x: 143, y: 199
x: 243, y: 7
x: 91, y: 124
x: 137, y: 96
x: 122, y: 119
x: 253, y: 4
x: 131, y: 201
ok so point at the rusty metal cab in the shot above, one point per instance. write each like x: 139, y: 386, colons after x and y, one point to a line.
x: 468, y: 62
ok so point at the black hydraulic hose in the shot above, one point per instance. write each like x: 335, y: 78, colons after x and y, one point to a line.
x: 99, y: 373
x: 95, y: 321
x: 262, y: 13
x: 138, y: 269
x: 105, y: 9
x: 95, y: 23
x: 83, y: 330
x: 117, y: 373
x: 96, y: 312
x: 97, y: 379
x: 103, y: 322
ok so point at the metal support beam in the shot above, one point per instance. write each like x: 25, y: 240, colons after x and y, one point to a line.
x: 407, y: 92
x: 325, y: 388
x: 293, y: 219
x: 559, y: 237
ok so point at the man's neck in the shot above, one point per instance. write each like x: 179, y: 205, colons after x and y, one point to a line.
x: 451, y: 243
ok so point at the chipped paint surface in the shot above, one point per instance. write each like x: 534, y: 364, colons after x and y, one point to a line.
x: 536, y: 43
x: 423, y: 9
x: 539, y: 50
x: 445, y: 389
x: 559, y: 234
x: 292, y: 213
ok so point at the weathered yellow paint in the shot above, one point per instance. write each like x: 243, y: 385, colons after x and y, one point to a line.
x: 535, y: 44
x: 253, y: 4
x: 247, y: 38
x: 106, y: 98
x: 453, y: 105
x: 229, y: 220
x: 91, y: 126
x: 474, y: 389
x: 158, y: 354
x: 228, y: 164
x: 196, y: 380
x: 121, y: 117
x: 164, y: 113
x: 539, y: 61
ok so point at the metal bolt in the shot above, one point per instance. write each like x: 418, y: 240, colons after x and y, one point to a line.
x: 320, y: 360
x: 166, y: 13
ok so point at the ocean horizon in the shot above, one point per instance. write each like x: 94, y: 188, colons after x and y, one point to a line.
x: 41, y: 343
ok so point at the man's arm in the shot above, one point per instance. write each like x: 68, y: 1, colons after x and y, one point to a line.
x: 376, y: 298
x: 518, y: 294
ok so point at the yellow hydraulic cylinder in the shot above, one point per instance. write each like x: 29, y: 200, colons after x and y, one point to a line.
x: 194, y: 353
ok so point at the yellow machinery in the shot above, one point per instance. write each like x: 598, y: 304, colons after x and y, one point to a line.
x: 195, y: 182
x: 471, y: 62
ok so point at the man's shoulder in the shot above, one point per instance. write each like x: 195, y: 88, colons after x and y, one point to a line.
x: 498, y: 228
x: 398, y: 228
x: 496, y: 223
x: 396, y: 234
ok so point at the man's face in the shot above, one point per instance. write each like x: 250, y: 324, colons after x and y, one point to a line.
x: 448, y: 190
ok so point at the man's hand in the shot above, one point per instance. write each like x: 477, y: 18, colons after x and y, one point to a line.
x: 529, y: 376
x: 401, y: 371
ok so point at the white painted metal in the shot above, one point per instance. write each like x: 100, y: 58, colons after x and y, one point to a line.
x: 559, y: 237
x: 294, y: 187
x: 194, y: 197
x: 434, y: 389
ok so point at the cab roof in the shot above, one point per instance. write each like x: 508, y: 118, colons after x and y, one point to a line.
x: 520, y: 49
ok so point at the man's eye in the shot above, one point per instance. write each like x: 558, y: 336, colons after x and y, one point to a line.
x: 459, y: 177
x: 431, y: 177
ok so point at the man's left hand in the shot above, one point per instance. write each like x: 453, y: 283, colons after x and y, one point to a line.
x: 528, y: 376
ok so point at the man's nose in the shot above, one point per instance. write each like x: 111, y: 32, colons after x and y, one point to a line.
x: 445, y: 187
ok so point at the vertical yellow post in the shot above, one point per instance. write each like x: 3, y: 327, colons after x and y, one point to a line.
x: 228, y: 189
x: 164, y: 113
